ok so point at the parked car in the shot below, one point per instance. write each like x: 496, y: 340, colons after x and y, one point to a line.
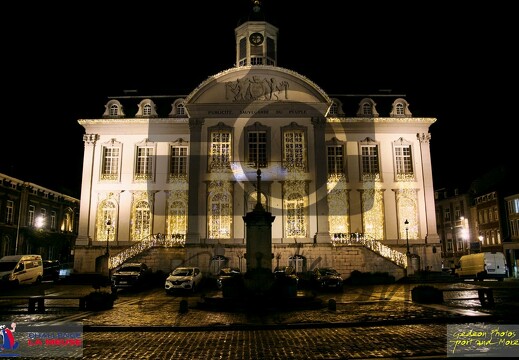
x: 132, y: 275
x: 327, y: 278
x: 21, y: 270
x: 286, y: 272
x: 226, y: 273
x: 66, y: 270
x: 183, y: 278
x: 51, y: 270
x: 480, y: 266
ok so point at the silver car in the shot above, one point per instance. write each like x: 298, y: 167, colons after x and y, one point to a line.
x: 183, y: 278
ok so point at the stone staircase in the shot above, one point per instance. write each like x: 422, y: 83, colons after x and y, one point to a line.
x: 163, y: 240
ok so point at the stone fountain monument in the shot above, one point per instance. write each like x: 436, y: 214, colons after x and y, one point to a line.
x: 258, y: 279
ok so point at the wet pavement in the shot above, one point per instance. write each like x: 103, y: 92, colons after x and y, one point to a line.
x: 362, y: 322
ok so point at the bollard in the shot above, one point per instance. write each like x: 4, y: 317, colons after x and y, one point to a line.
x: 183, y: 306
x: 486, y: 297
x: 332, y: 305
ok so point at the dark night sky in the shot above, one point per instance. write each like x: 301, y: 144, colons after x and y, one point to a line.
x: 62, y: 60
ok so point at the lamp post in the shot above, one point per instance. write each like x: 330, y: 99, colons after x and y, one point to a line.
x: 108, y: 224
x: 407, y: 236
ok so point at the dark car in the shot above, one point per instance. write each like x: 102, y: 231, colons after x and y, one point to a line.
x: 132, y: 276
x: 51, y: 270
x: 327, y: 278
x: 286, y: 272
x: 227, y: 273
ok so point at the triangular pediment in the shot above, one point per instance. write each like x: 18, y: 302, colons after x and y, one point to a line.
x: 268, y: 91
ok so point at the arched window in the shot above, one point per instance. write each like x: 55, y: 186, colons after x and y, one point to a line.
x: 177, y: 218
x: 220, y: 216
x: 142, y: 221
x: 114, y: 110
x: 295, y: 220
x: 107, y: 221
x: 146, y: 111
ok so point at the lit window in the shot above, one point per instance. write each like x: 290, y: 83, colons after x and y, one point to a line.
x: 403, y: 160
x: 142, y: 221
x: 107, y: 221
x: 295, y: 217
x: 399, y: 109
x: 369, y: 158
x: 335, y: 159
x: 294, y: 149
x: 114, y: 110
x: 144, y: 163
x: 220, y: 214
x: 178, y: 164
x: 220, y: 145
x: 110, y: 165
x: 177, y: 218
x: 146, y: 111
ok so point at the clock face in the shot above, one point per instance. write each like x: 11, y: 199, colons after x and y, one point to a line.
x: 256, y: 38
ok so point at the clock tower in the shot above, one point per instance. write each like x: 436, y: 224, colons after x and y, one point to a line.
x: 256, y: 40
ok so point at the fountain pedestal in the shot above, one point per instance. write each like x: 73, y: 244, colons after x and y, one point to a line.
x: 259, y: 277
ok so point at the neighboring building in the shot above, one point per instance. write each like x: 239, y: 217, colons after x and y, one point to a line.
x: 511, y: 243
x: 455, y: 221
x: 485, y: 218
x: 490, y: 221
x: 36, y: 220
x: 169, y: 183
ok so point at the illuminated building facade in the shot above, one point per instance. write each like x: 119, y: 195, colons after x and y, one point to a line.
x: 170, y: 182
x: 36, y: 220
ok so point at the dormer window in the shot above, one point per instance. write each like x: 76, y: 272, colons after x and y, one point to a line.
x: 367, y: 108
x: 113, y: 109
x: 146, y: 111
x: 146, y: 108
x: 178, y: 108
x: 400, y: 108
x: 333, y: 109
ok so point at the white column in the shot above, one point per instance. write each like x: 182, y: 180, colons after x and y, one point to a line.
x: 84, y: 237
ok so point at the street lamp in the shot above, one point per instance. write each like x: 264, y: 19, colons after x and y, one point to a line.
x: 108, y: 224
x: 407, y: 236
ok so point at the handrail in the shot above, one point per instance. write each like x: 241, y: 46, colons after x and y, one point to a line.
x: 374, y: 245
x: 154, y: 240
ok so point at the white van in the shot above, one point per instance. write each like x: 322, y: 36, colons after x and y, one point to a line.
x: 21, y: 269
x: 480, y: 266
